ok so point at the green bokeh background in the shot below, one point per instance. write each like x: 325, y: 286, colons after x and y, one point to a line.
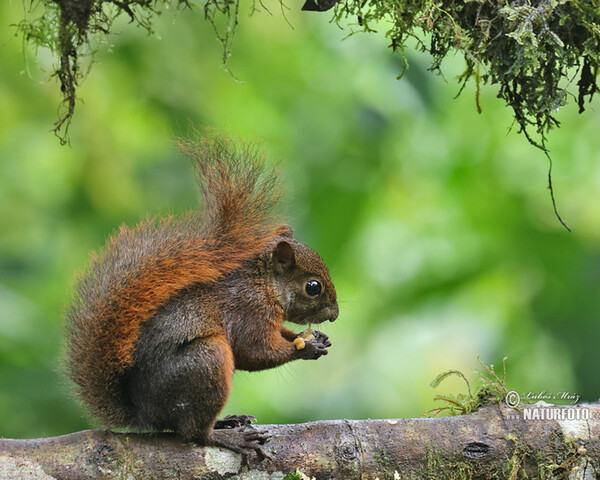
x: 436, y: 221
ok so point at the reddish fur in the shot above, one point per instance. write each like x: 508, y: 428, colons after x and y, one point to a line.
x: 146, y: 293
x: 142, y: 268
x: 227, y: 367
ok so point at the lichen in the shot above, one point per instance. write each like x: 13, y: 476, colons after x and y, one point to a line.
x: 16, y: 467
x: 222, y: 461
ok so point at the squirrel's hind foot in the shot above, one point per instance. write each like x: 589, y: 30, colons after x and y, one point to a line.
x: 251, y: 441
x: 234, y: 421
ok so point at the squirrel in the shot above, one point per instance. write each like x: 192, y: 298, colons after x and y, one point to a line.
x: 169, y: 309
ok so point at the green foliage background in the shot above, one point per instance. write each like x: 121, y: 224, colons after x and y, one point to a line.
x: 435, y: 221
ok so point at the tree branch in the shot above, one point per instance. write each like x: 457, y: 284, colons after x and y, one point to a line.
x: 495, y: 441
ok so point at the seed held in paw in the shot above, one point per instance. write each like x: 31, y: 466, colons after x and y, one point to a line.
x: 303, y: 337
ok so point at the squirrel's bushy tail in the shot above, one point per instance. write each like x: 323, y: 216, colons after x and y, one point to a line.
x: 142, y: 267
x: 238, y: 192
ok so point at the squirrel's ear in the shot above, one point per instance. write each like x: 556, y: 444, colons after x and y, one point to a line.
x: 284, y: 231
x: 284, y: 257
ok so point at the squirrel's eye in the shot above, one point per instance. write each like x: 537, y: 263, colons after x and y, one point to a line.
x: 312, y: 288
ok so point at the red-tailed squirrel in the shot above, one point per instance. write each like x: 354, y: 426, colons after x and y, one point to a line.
x: 170, y: 308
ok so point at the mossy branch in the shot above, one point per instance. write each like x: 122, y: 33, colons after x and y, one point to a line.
x: 539, y: 53
x: 493, y: 442
x: 67, y: 27
x: 533, y: 50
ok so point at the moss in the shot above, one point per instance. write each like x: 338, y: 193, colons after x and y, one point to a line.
x: 491, y: 390
x: 293, y: 476
x: 435, y: 468
x: 382, y: 462
x: 540, y: 54
x: 297, y: 475
x: 531, y: 49
x: 557, y: 458
x: 68, y: 27
x: 558, y: 461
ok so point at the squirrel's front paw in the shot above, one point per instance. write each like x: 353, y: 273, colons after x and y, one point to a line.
x: 320, y: 337
x: 313, y: 350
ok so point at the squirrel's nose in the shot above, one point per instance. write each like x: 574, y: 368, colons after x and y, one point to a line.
x: 334, y: 313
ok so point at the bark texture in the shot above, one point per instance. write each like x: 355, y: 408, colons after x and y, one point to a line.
x: 494, y: 442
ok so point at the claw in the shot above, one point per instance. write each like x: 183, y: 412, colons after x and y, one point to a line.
x: 320, y: 337
x: 258, y: 436
x: 251, y: 441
